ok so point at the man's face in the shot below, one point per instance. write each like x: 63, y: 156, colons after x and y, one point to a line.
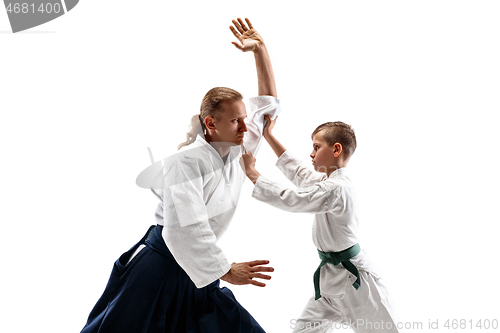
x: 230, y: 125
x: 322, y: 154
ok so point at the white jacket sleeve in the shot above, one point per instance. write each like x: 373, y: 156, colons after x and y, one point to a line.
x: 300, y: 174
x: 316, y: 199
x: 187, y: 232
x: 259, y: 107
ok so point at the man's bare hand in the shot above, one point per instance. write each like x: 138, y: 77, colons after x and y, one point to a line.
x: 249, y: 38
x: 246, y: 272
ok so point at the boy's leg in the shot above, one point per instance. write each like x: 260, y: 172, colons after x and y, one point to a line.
x: 317, y: 317
x: 369, y: 309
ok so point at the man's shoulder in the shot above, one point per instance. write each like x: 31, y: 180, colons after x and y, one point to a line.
x: 194, y: 158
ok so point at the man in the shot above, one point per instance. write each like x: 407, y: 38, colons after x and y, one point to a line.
x: 169, y: 281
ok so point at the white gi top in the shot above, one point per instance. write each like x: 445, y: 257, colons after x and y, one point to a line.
x: 199, y: 195
x: 333, y: 201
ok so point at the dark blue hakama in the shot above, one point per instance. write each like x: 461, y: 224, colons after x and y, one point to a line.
x: 153, y: 294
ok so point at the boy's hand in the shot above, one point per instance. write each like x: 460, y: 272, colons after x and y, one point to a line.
x: 245, y: 272
x: 248, y: 162
x: 249, y: 166
x: 267, y: 133
x: 268, y: 128
x: 249, y: 38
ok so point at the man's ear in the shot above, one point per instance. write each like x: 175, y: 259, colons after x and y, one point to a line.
x: 337, y: 149
x: 210, y: 123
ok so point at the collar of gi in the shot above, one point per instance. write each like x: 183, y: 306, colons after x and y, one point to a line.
x: 234, y: 151
x: 338, y: 173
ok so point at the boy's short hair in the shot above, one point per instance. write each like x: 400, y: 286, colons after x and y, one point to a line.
x: 340, y: 132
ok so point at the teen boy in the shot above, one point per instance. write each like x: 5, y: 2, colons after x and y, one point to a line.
x: 346, y: 288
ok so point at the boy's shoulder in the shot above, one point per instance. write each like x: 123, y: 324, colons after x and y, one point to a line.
x: 339, y: 183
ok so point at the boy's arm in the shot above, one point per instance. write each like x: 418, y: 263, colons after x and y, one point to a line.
x: 299, y: 173
x: 316, y: 199
x: 277, y: 147
x: 292, y: 168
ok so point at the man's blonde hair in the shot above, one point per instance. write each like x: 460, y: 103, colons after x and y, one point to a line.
x: 210, y: 106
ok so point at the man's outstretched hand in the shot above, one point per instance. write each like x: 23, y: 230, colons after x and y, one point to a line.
x: 246, y: 272
x: 249, y: 38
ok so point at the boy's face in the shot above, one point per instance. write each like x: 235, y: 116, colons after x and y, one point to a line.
x: 323, y: 158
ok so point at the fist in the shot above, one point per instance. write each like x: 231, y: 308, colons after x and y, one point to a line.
x: 248, y: 162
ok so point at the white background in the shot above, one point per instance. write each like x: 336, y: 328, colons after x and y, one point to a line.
x: 82, y: 97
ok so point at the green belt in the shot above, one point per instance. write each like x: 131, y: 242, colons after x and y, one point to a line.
x: 336, y: 258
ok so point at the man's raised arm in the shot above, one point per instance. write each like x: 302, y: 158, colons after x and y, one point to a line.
x: 251, y: 41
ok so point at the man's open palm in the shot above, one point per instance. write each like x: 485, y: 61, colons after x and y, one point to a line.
x: 249, y: 38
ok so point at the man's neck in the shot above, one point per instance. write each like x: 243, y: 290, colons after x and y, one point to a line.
x: 222, y: 148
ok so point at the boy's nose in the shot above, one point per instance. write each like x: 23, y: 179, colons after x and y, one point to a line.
x: 244, y: 127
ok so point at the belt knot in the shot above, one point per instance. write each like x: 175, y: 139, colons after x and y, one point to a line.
x: 335, y: 258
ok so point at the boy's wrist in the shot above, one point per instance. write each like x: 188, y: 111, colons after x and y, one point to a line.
x: 253, y: 175
x: 267, y: 136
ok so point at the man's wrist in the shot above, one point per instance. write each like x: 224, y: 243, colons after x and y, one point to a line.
x: 259, y: 48
x: 226, y: 277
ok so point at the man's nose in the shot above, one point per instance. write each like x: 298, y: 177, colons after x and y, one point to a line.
x: 243, y: 127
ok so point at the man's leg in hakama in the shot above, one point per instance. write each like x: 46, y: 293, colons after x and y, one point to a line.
x: 128, y: 302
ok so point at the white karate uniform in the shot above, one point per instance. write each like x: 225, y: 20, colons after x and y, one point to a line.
x: 333, y: 201
x: 199, y: 192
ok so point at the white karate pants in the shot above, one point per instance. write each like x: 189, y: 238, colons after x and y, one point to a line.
x: 366, y: 310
